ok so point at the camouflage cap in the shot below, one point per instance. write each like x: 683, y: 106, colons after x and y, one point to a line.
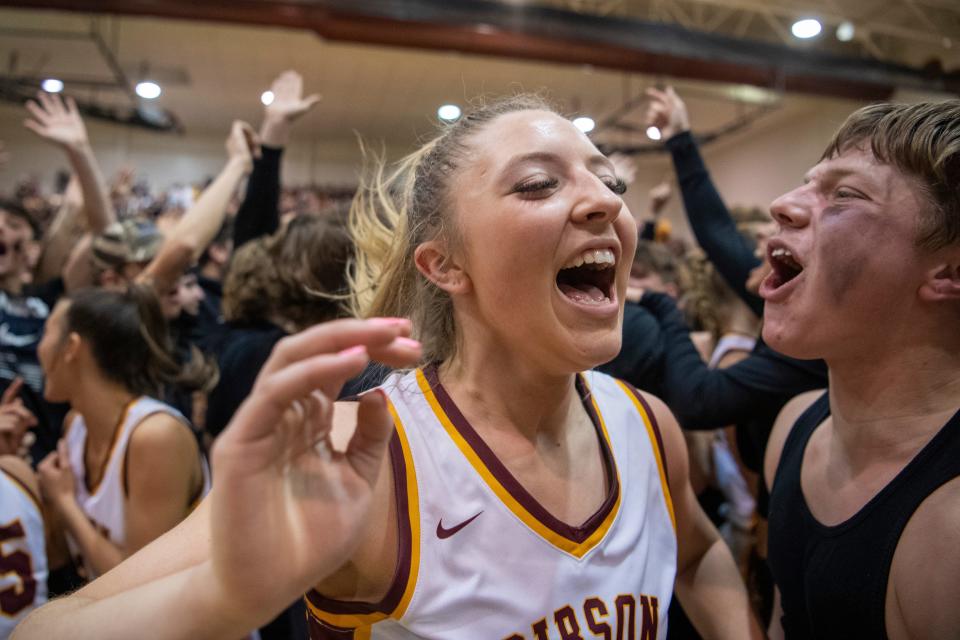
x: 126, y: 242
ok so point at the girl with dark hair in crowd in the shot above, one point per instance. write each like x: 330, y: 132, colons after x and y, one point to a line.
x: 128, y: 467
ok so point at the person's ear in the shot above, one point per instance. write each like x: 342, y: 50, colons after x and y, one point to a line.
x: 942, y: 283
x: 71, y: 347
x: 441, y: 268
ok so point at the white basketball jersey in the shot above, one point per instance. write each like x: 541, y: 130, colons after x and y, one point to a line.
x: 481, y: 558
x: 23, y: 555
x: 104, y: 504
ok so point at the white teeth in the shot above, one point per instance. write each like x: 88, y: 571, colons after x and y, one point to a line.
x: 780, y: 252
x: 593, y: 256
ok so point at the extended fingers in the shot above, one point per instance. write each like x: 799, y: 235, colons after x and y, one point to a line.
x: 398, y: 353
x: 274, y: 393
x: 39, y: 114
x: 12, y: 390
x: 49, y: 104
x: 287, y: 82
x: 71, y: 107
x: 335, y: 336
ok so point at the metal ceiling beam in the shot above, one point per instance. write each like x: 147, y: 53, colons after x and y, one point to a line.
x: 541, y: 33
x: 831, y: 15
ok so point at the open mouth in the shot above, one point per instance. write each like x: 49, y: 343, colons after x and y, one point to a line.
x: 785, y: 267
x: 589, y: 278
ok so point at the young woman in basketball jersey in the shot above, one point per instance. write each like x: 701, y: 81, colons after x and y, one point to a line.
x: 128, y: 467
x: 521, y: 498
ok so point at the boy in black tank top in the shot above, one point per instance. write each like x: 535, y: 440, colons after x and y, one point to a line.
x: 865, y: 498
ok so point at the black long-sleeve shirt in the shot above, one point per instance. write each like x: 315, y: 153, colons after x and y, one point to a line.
x: 640, y: 361
x: 750, y: 393
x: 730, y: 252
x: 259, y: 214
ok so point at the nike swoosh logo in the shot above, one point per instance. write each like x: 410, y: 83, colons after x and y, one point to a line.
x: 444, y: 533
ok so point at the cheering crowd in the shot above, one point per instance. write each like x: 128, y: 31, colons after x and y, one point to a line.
x: 484, y: 399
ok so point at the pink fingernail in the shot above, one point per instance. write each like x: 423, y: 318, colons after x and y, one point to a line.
x: 389, y: 322
x: 352, y: 351
x: 407, y: 342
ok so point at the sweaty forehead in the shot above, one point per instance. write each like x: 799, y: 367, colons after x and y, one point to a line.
x: 527, y: 132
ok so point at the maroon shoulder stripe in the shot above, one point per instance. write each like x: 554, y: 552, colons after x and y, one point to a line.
x: 405, y: 539
x: 653, y: 423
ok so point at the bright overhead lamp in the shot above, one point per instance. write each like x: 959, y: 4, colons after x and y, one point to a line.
x: 845, y: 31
x: 584, y: 123
x: 148, y: 90
x: 267, y: 98
x: 806, y: 28
x: 653, y: 133
x: 449, y: 113
x: 52, y: 85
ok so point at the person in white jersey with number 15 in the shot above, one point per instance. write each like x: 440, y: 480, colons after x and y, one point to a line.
x: 23, y: 554
x: 522, y: 498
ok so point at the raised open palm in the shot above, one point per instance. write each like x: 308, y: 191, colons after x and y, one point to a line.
x: 288, y: 508
x: 288, y: 101
x: 56, y: 120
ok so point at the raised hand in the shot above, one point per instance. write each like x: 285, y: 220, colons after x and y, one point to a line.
x: 287, y: 106
x: 243, y: 145
x: 288, y: 101
x: 15, y: 420
x: 667, y: 112
x: 288, y: 508
x: 56, y: 477
x: 57, y: 120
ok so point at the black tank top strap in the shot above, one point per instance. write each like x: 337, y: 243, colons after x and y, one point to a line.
x: 796, y: 443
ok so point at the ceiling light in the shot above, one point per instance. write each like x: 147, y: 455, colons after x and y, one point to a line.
x: 52, y: 85
x: 148, y: 90
x: 845, y: 31
x: 584, y: 123
x: 448, y: 112
x: 266, y: 98
x: 806, y: 28
x: 653, y: 133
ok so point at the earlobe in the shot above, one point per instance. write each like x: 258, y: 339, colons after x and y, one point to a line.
x: 440, y: 268
x: 72, y: 347
x: 942, y: 284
